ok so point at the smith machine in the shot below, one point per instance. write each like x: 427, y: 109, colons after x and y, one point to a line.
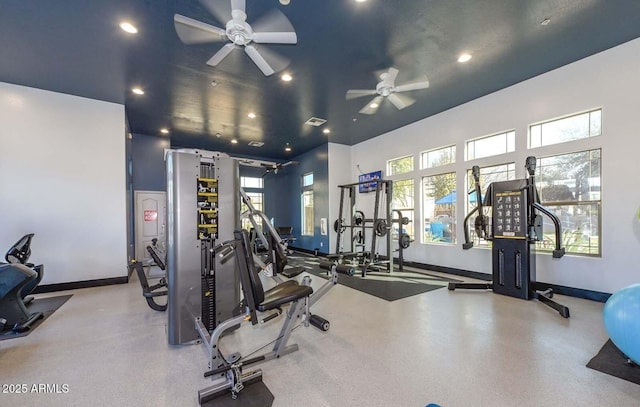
x: 358, y: 225
x: 515, y: 228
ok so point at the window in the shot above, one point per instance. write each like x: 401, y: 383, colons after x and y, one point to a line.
x: 491, y: 145
x: 438, y: 157
x: 251, y: 182
x: 402, y: 200
x: 400, y: 165
x: 488, y: 175
x: 307, y: 205
x: 569, y: 186
x: 575, y: 127
x: 253, y: 188
x: 307, y: 179
x: 257, y: 202
x: 439, y: 208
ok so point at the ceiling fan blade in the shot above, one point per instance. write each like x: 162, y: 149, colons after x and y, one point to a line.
x: 221, y: 54
x: 400, y: 101
x: 390, y: 77
x: 259, y: 60
x: 275, y: 60
x: 372, y: 106
x: 238, y: 5
x: 275, y: 37
x: 412, y: 86
x: 273, y: 21
x: 193, y: 31
x: 221, y: 10
x: 356, y: 93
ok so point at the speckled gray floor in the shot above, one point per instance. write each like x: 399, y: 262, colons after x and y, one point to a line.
x: 450, y: 348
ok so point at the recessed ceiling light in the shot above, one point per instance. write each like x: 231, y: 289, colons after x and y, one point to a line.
x: 214, y: 83
x: 326, y: 131
x: 137, y: 91
x: 287, y: 148
x: 360, y: 1
x: 234, y: 141
x: 545, y: 21
x: 252, y: 115
x: 164, y: 131
x: 286, y: 77
x: 128, y: 27
x: 374, y: 105
x: 284, y: 2
x: 218, y: 135
x: 464, y: 58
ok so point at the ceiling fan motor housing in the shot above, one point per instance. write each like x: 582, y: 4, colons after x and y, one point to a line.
x: 238, y: 30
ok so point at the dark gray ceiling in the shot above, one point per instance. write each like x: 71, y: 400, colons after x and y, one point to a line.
x: 76, y: 47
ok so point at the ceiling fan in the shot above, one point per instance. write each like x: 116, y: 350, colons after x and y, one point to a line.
x: 274, y: 28
x: 275, y: 167
x: 387, y: 88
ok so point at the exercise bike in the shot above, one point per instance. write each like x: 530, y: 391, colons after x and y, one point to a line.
x: 18, y: 279
x: 19, y: 253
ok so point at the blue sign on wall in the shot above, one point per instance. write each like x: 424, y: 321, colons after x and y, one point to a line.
x: 369, y: 186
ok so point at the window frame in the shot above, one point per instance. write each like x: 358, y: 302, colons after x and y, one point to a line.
x: 307, y: 191
x: 567, y: 243
x: 452, y: 216
x: 390, y: 173
x: 559, y: 119
x: 509, y: 141
x: 452, y: 153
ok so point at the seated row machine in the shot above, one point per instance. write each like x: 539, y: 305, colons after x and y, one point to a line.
x: 227, y: 372
x: 515, y: 228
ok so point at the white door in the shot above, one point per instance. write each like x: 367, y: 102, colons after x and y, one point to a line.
x: 150, y: 215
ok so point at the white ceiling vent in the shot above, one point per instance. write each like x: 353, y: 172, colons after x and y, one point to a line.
x: 256, y: 143
x: 314, y: 121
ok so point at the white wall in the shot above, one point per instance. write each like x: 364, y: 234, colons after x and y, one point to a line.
x: 339, y: 174
x: 62, y: 177
x: 609, y: 80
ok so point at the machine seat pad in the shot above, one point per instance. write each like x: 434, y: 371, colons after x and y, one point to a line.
x: 282, y: 294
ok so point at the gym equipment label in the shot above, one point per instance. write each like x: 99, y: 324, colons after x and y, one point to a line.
x: 509, y: 213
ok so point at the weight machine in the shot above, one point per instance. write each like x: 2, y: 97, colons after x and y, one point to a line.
x: 276, y: 246
x: 516, y: 226
x: 151, y: 292
x: 227, y: 372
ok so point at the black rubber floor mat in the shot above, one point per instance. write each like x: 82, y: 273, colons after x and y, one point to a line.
x: 612, y: 361
x: 45, y: 305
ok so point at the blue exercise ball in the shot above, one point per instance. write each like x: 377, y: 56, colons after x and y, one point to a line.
x: 622, y: 321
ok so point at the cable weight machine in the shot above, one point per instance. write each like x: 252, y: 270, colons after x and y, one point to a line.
x: 516, y: 225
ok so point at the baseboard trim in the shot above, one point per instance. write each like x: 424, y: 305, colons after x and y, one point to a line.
x: 558, y: 289
x: 49, y: 288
